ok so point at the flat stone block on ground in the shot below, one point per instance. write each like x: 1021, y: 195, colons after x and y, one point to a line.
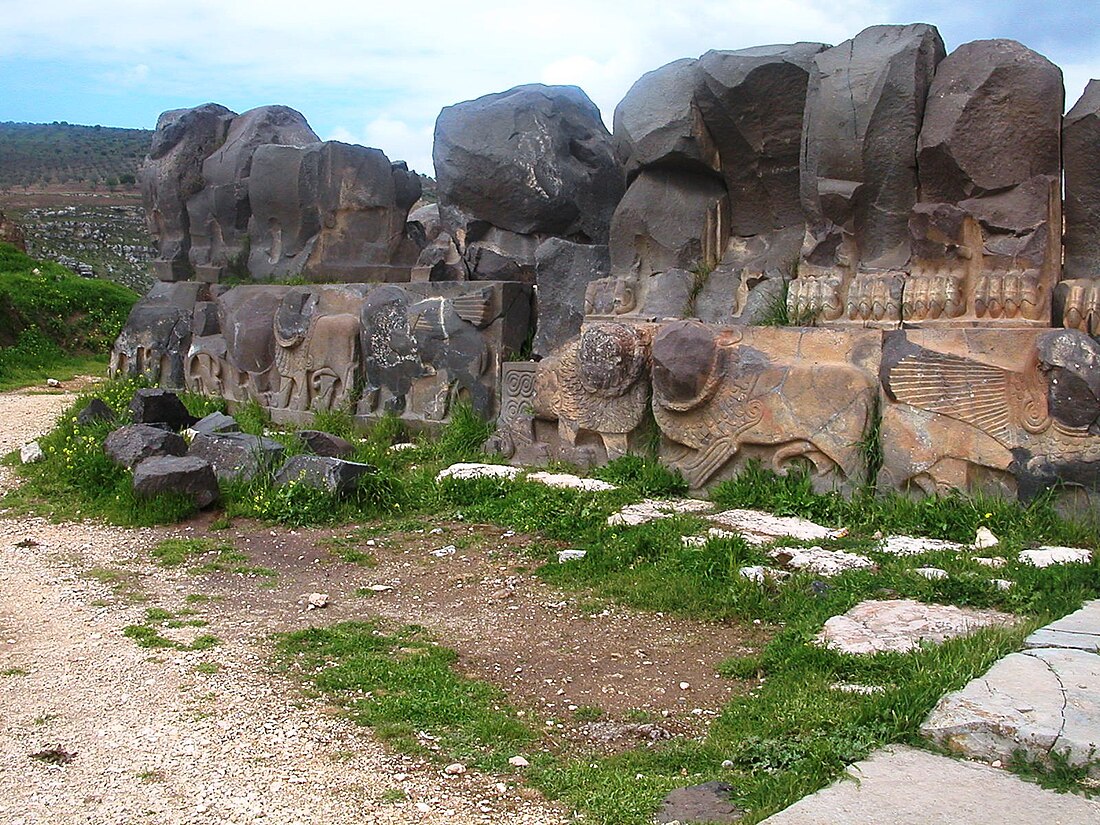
x: 1040, y: 701
x: 1079, y: 630
x: 900, y: 625
x: 905, y: 786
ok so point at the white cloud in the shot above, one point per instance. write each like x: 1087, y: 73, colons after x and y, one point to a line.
x: 392, y: 67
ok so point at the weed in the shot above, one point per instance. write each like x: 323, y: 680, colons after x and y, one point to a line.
x: 14, y: 671
x: 174, y: 552
x: 1056, y: 773
x: 392, y: 796
x: 147, y: 634
x: 588, y: 713
x: 207, y: 668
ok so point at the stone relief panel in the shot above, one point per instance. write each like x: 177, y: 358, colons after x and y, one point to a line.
x: 412, y: 350
x: 998, y: 410
x: 725, y: 395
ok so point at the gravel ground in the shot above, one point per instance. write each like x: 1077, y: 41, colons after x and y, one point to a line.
x: 151, y: 737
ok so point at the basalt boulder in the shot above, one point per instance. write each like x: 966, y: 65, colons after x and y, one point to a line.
x: 219, y: 213
x: 1081, y: 156
x: 330, y: 212
x: 669, y: 219
x: 172, y: 174
x: 864, y: 106
x: 992, y: 121
x: 532, y: 160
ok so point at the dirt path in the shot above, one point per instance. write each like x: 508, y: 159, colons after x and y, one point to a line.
x: 218, y: 735
x: 152, y: 738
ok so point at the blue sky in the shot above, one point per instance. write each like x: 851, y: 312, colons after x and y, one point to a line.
x: 378, y: 73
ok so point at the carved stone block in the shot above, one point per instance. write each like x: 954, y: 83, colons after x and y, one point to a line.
x: 725, y: 395
x: 995, y: 410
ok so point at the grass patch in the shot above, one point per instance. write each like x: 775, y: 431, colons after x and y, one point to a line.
x: 14, y: 671
x: 148, y: 634
x: 403, y: 686
x: 52, y: 322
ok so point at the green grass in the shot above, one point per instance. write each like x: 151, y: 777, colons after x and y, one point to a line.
x: 401, y: 684
x: 54, y: 324
x: 147, y: 633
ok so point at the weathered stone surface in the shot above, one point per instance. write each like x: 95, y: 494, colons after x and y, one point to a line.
x: 95, y: 411
x: 595, y: 388
x: 326, y: 444
x: 978, y: 409
x: 158, y: 406
x: 658, y: 122
x: 986, y: 239
x: 494, y: 254
x: 334, y: 475
x: 723, y: 396
x: 906, y: 786
x: 568, y: 481
x: 31, y: 453
x: 185, y: 475
x: 819, y: 561
x: 758, y: 527
x: 1047, y: 556
x: 709, y: 802
x: 864, y: 108
x: 1079, y: 630
x: 214, y: 424
x: 172, y: 174
x: 563, y: 271
x: 237, y: 456
x: 1043, y: 701
x: 157, y: 334
x: 330, y: 212
x: 533, y: 159
x: 467, y: 471
x: 1071, y: 361
x: 900, y: 625
x: 910, y: 546
x: 753, y: 101
x: 413, y: 350
x: 132, y: 444
x: 1081, y: 161
x: 219, y: 213
x: 992, y: 121
x: 652, y: 509
x: 669, y: 219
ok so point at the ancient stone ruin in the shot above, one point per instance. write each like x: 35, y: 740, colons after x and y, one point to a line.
x: 855, y: 259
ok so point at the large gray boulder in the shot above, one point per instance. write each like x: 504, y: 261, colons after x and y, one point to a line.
x: 130, y: 445
x: 172, y: 174
x: 658, y: 122
x: 864, y: 107
x: 1081, y: 160
x: 157, y: 334
x: 160, y: 407
x: 992, y: 121
x: 333, y: 475
x: 669, y: 219
x: 219, y: 213
x: 533, y: 160
x: 563, y: 271
x: 330, y: 212
x: 753, y: 101
x: 237, y: 456
x: 185, y: 475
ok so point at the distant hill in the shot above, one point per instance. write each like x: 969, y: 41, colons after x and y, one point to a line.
x: 52, y: 154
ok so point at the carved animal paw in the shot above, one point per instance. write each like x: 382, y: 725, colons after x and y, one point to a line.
x: 810, y: 298
x: 927, y: 297
x: 871, y: 298
x: 1008, y: 294
x: 1082, y: 306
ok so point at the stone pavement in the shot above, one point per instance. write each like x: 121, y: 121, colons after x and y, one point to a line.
x: 904, y: 786
x: 1044, y: 699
